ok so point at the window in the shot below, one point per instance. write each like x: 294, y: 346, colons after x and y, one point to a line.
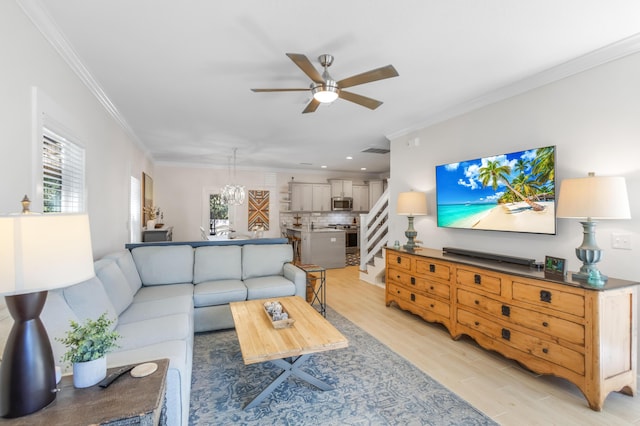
x: 135, y: 207
x: 218, y: 215
x: 62, y: 174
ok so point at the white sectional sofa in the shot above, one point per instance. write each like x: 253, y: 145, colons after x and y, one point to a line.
x: 159, y: 295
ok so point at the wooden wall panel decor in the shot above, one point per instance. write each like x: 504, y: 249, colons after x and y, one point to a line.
x: 258, y: 210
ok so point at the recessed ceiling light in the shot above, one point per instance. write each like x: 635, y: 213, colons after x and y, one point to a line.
x: 323, y: 167
x: 363, y: 168
x: 349, y: 158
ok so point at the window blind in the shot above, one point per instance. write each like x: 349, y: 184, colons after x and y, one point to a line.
x: 63, y: 169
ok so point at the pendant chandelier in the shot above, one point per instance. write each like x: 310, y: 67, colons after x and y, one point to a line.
x: 233, y: 194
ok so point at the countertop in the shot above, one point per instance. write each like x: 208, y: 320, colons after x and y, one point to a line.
x: 314, y: 230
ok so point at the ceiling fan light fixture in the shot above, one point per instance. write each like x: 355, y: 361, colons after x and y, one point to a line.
x: 325, y: 93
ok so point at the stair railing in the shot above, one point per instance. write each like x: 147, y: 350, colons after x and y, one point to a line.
x: 374, y: 230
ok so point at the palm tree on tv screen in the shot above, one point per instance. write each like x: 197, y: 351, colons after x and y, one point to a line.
x: 494, y: 172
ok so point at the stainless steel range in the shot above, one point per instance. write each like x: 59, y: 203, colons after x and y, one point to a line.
x: 351, y: 236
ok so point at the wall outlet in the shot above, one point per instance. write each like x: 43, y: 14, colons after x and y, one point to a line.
x: 621, y: 241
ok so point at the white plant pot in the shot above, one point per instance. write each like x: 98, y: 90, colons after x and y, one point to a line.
x: 89, y: 373
x: 151, y: 224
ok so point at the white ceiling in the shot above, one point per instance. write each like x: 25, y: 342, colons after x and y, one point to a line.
x: 178, y: 72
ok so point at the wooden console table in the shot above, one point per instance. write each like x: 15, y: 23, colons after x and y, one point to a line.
x: 585, y: 334
x: 127, y: 401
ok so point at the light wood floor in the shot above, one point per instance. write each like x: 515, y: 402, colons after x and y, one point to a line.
x: 500, y: 388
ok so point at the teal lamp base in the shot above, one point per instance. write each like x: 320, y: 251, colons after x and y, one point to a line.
x: 590, y: 254
x: 411, y: 234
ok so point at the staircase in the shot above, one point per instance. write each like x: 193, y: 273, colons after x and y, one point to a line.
x: 374, y: 230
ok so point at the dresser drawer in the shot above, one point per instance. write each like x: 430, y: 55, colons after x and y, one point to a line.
x: 418, y: 283
x: 419, y: 300
x: 557, y: 329
x: 476, y: 279
x: 399, y: 261
x: 531, y: 345
x: 433, y: 269
x: 550, y: 297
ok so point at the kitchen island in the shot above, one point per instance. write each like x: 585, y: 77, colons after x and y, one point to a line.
x: 321, y: 246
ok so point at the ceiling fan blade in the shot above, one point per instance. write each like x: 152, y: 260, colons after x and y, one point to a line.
x: 280, y: 90
x: 369, y: 76
x: 359, y: 99
x: 306, y: 66
x: 313, y: 105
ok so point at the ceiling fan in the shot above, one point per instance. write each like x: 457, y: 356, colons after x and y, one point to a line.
x: 326, y: 90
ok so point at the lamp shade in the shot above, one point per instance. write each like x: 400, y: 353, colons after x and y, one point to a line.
x: 595, y: 197
x: 412, y: 203
x: 44, y: 252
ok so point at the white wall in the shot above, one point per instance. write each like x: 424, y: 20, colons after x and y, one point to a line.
x: 28, y: 61
x: 593, y: 118
x: 179, y: 194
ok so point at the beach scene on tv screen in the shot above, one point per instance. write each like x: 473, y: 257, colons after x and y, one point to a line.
x: 508, y: 192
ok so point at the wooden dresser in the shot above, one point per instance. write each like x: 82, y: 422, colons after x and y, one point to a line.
x: 584, y: 334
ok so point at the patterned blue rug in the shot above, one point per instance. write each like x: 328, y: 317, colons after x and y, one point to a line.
x: 373, y: 386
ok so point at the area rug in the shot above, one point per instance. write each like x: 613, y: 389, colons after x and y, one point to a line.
x: 373, y: 386
x: 353, y: 259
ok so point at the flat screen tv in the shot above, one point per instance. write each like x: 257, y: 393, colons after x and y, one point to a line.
x: 512, y: 192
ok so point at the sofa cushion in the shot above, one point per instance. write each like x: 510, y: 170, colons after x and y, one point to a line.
x: 56, y: 316
x: 273, y: 286
x: 115, y: 283
x: 89, y: 300
x: 140, y: 311
x: 212, y: 293
x: 264, y: 260
x: 158, y: 265
x: 163, y: 292
x: 217, y: 263
x: 125, y: 261
x: 155, y: 330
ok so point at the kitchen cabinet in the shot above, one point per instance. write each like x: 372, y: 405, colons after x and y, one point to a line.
x: 324, y: 247
x: 321, y: 197
x: 341, y: 188
x: 360, y: 198
x: 310, y: 197
x: 301, y: 197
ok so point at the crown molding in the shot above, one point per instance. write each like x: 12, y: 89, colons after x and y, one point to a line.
x: 611, y: 52
x: 43, y: 22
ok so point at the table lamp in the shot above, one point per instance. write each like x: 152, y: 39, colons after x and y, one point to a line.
x: 592, y: 197
x: 38, y: 252
x: 411, y: 204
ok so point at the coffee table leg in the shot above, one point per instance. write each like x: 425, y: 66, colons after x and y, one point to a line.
x: 289, y: 369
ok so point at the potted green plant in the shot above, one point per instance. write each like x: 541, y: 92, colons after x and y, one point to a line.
x: 87, y: 345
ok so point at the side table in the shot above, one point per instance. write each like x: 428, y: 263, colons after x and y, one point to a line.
x: 127, y: 401
x: 316, y: 286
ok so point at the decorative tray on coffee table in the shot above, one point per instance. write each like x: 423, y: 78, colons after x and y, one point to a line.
x: 278, y: 315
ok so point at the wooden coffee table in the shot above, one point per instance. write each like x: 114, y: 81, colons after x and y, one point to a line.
x: 287, y: 348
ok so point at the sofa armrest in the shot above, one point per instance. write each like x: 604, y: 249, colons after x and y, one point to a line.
x: 298, y: 277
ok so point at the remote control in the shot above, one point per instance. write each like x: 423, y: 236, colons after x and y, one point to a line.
x: 113, y: 376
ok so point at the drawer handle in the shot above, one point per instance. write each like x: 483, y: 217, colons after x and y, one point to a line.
x: 398, y: 276
x: 506, y: 334
x: 506, y: 311
x: 545, y: 296
x: 545, y: 324
x: 477, y: 323
x: 432, y: 267
x: 431, y: 287
x: 413, y: 297
x: 399, y: 259
x: 398, y: 291
x: 432, y: 305
x: 413, y: 281
x: 545, y: 350
x: 477, y: 279
x: 477, y: 302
